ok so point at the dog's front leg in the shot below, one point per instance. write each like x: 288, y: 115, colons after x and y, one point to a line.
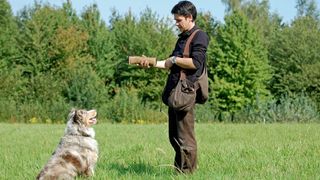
x: 89, y: 171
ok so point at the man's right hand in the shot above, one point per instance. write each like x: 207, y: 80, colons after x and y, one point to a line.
x: 163, y: 64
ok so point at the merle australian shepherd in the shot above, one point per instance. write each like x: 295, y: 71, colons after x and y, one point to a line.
x: 77, y: 152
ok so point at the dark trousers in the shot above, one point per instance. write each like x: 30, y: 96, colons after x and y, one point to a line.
x: 182, y: 139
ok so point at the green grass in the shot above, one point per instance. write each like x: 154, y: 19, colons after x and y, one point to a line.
x: 225, y: 151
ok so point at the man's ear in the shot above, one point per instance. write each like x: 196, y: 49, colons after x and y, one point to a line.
x: 189, y: 17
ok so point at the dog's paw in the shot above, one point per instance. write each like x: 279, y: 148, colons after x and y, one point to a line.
x: 89, y: 172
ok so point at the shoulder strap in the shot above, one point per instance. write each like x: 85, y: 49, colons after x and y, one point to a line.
x: 186, y: 51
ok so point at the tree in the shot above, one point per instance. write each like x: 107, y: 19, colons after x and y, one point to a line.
x: 55, y: 46
x: 147, y: 36
x: 207, y: 23
x: 259, y: 16
x: 12, y: 85
x: 39, y: 26
x: 232, y: 5
x: 101, y: 46
x: 307, y: 8
x: 296, y: 59
x: 240, y: 66
x: 8, y: 33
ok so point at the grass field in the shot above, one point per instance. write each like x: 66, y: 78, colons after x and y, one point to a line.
x: 225, y: 151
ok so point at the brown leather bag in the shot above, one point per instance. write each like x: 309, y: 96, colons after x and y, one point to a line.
x: 203, y: 87
x: 186, y: 93
x: 183, y: 96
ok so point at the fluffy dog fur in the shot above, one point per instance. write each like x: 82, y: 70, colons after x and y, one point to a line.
x: 77, y: 152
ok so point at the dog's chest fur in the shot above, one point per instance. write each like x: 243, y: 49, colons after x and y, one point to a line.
x: 78, y: 143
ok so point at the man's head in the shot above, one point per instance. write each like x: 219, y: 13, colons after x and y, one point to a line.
x: 185, y: 14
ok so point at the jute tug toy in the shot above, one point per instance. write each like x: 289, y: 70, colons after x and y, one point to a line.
x: 138, y: 59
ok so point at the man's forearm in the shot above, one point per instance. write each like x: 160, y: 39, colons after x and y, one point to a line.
x: 186, y: 63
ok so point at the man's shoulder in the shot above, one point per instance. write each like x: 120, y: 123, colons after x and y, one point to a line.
x: 201, y: 36
x: 201, y: 33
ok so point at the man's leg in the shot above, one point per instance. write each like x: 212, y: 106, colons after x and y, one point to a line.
x: 173, y: 137
x: 182, y: 138
x: 187, y: 140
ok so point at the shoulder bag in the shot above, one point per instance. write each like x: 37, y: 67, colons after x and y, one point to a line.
x: 186, y: 93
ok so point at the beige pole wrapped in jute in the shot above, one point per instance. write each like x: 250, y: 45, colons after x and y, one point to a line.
x: 137, y: 60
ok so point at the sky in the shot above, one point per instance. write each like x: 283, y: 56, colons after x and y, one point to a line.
x: 285, y: 8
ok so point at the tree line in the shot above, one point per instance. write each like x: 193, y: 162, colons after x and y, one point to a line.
x: 260, y: 68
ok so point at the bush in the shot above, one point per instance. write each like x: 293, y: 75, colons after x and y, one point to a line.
x: 33, y: 111
x: 205, y: 113
x: 296, y: 108
x: 127, y: 107
x: 84, y: 89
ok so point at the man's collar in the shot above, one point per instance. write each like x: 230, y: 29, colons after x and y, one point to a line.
x: 188, y: 33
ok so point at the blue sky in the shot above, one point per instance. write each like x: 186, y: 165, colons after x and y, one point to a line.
x: 285, y: 8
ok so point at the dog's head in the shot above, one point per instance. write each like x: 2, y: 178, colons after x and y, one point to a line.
x: 83, y: 117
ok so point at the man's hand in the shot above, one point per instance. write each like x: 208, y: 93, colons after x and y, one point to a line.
x: 143, y: 61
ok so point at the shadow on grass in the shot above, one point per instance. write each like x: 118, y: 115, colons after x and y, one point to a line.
x: 134, y: 168
x: 138, y: 168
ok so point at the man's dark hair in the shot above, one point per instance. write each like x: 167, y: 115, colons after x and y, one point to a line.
x: 185, y: 8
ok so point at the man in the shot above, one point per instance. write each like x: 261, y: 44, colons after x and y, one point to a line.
x: 181, y: 123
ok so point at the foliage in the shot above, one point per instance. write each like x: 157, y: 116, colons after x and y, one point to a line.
x: 240, y: 69
x: 207, y: 23
x: 84, y: 89
x: 295, y: 58
x: 101, y: 46
x: 307, y: 8
x: 126, y: 107
x: 52, y: 59
x: 295, y: 108
x: 134, y: 36
x: 8, y: 34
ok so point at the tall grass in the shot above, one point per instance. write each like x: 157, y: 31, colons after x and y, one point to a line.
x: 127, y: 107
x: 296, y: 108
x: 127, y: 151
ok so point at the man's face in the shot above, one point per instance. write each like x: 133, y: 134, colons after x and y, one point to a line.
x: 184, y: 23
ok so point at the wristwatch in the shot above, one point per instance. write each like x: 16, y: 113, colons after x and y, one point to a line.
x: 174, y: 59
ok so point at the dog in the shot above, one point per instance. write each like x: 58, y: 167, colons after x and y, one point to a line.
x: 77, y: 152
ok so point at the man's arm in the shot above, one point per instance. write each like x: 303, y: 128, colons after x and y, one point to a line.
x: 186, y: 63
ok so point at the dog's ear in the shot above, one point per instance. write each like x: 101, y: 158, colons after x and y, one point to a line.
x: 72, y: 113
x: 78, y: 116
x: 73, y: 110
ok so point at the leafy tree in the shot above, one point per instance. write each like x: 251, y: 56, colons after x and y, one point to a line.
x: 55, y: 45
x: 12, y: 85
x: 101, y: 46
x: 8, y: 34
x: 147, y: 36
x: 232, y: 5
x: 259, y: 15
x: 307, y: 8
x: 296, y: 60
x: 265, y: 22
x: 207, y: 23
x: 38, y: 29
x: 240, y: 66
